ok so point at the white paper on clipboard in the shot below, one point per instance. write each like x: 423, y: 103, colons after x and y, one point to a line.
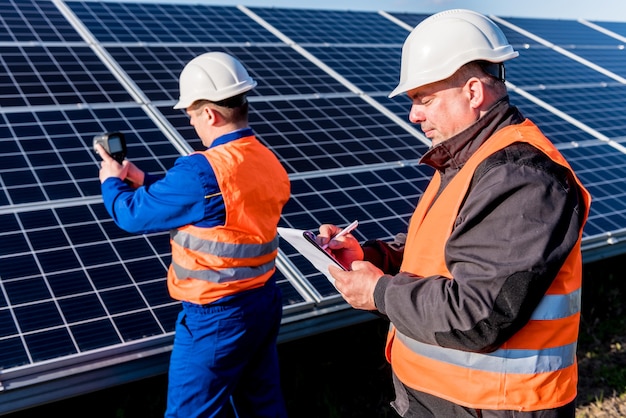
x: 312, y: 252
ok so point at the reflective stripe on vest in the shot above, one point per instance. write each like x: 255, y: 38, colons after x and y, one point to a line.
x: 536, y: 368
x: 557, y: 306
x: 524, y: 361
x: 510, y: 360
x: 224, y: 275
x: 223, y: 249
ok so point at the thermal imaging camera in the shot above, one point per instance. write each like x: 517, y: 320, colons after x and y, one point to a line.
x: 114, y: 143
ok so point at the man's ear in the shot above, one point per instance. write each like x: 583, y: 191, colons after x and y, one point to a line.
x: 214, y: 117
x: 476, y: 92
x: 208, y: 113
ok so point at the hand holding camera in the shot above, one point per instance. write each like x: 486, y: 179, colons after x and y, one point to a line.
x: 113, y: 143
x: 111, y: 147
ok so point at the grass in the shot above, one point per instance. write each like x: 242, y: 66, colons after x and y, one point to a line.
x: 601, y: 351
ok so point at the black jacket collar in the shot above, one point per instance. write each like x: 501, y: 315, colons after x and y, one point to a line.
x: 454, y: 152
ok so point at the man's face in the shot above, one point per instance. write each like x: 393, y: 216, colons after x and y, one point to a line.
x: 442, y: 110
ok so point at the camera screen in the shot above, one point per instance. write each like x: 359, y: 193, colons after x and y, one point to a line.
x: 115, y: 144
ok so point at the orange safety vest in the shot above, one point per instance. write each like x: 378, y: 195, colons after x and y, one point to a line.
x: 210, y: 263
x: 536, y: 368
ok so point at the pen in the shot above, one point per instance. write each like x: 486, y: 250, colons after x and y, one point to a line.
x: 343, y: 232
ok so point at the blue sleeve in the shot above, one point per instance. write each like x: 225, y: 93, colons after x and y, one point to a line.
x: 151, y: 178
x: 173, y: 201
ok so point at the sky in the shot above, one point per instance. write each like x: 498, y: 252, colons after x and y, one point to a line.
x: 602, y: 10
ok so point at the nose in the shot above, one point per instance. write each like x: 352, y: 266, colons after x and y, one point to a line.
x: 416, y: 114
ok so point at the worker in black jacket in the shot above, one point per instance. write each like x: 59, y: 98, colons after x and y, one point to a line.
x: 484, y: 294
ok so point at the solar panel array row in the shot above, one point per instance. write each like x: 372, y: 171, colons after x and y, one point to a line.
x: 75, y: 288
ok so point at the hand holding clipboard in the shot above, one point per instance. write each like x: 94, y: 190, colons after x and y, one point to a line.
x: 306, y: 244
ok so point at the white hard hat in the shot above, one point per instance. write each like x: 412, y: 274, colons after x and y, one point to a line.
x: 444, y: 42
x: 212, y: 76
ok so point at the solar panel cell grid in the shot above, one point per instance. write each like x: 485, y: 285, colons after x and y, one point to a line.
x: 411, y: 19
x: 51, y: 156
x: 40, y: 75
x: 616, y: 27
x: 563, y: 32
x: 345, y: 133
x: 539, y: 67
x: 279, y: 70
x: 601, y: 108
x: 554, y: 127
x: 602, y: 169
x: 321, y: 134
x: 39, y: 345
x: 611, y: 58
x: 332, y: 26
x: 31, y: 20
x: 162, y: 23
x: 47, y: 281
x: 94, y: 334
x: 291, y: 297
x: 372, y: 69
x: 517, y: 39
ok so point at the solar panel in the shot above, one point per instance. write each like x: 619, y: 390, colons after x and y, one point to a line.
x: 372, y: 69
x: 279, y: 70
x: 82, y: 301
x: 410, y: 19
x: 332, y: 26
x: 41, y: 75
x: 602, y: 169
x: 612, y: 58
x: 112, y: 22
x: 539, y: 67
x: 71, y: 269
x: 618, y: 28
x: 310, y: 135
x: 606, y: 115
x: 554, y: 127
x: 564, y: 33
x: 31, y: 20
x: 47, y: 155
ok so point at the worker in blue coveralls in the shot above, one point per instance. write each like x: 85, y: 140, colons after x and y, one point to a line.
x: 222, y: 208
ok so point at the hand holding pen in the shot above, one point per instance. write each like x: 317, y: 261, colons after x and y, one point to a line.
x: 341, y: 233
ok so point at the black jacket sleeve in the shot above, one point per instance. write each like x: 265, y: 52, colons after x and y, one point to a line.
x: 387, y: 256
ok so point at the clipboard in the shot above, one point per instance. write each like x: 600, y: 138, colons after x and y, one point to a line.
x: 304, y: 242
